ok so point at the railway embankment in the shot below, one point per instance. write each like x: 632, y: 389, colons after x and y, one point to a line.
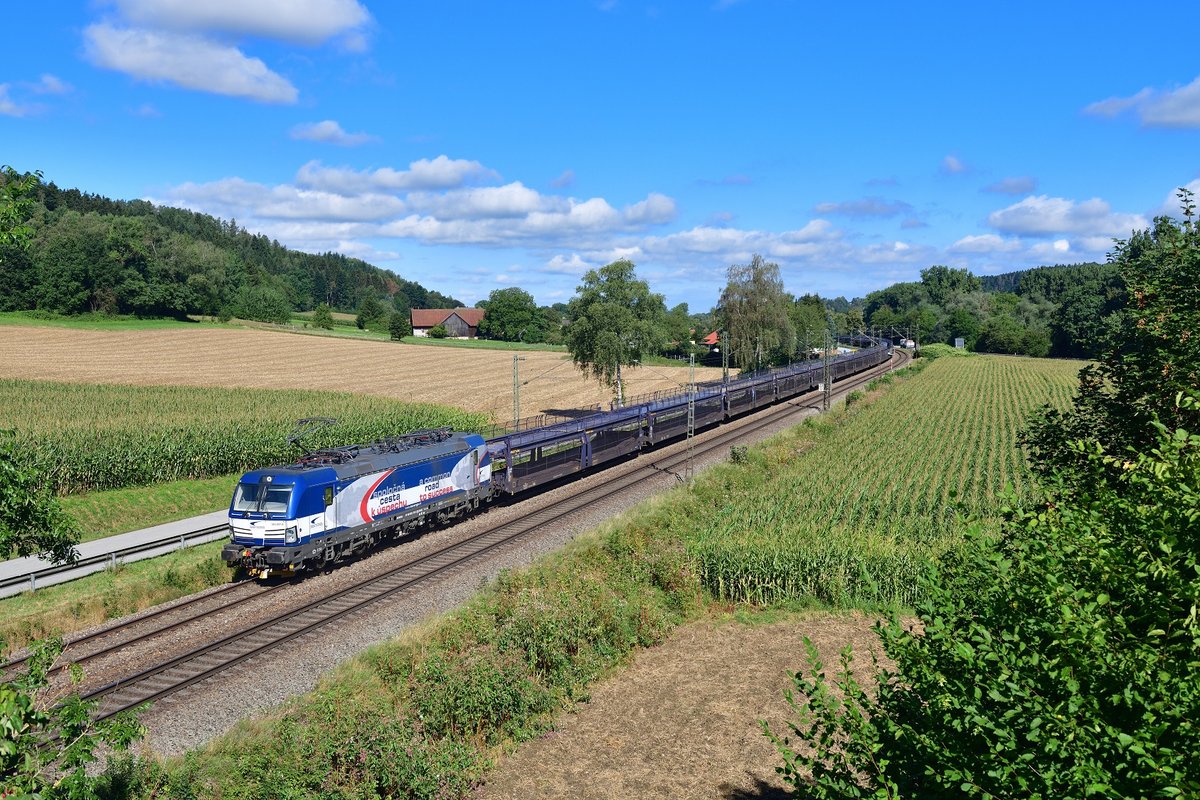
x: 856, y: 500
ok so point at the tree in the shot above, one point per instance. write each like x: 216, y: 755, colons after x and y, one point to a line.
x: 1057, y: 660
x: 962, y: 322
x: 1150, y: 356
x: 323, y: 317
x: 45, y: 749
x: 810, y: 321
x: 1000, y: 334
x: 264, y: 304
x: 677, y: 330
x: 370, y: 313
x: 940, y: 282
x: 753, y: 309
x: 31, y: 519
x: 399, y: 325
x: 512, y: 316
x: 616, y: 321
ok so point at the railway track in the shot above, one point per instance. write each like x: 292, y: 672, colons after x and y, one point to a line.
x: 205, y: 661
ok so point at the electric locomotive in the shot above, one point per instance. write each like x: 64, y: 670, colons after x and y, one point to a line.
x: 335, y: 502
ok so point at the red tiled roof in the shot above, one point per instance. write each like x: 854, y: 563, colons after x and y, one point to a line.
x: 428, y: 317
x: 711, y: 339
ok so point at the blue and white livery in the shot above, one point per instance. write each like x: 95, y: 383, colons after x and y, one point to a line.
x: 333, y: 503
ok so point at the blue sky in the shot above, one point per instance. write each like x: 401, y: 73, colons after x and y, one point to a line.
x: 472, y: 146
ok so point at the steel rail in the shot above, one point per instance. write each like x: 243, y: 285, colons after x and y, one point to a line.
x: 215, y: 657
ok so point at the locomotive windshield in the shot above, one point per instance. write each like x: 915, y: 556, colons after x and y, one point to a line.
x: 265, y: 497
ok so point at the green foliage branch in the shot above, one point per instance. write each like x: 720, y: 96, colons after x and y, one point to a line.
x: 31, y: 519
x: 46, y: 747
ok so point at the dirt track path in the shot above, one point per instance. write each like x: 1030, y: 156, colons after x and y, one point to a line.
x: 471, y: 379
x: 683, y: 720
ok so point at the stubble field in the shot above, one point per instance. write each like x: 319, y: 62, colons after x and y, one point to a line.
x: 479, y: 381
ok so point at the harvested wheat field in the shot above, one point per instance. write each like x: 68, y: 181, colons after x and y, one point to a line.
x: 474, y: 380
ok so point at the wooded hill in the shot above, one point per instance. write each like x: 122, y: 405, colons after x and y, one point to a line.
x: 1060, y: 311
x: 91, y: 253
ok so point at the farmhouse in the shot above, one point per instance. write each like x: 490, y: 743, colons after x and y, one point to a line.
x: 460, y: 323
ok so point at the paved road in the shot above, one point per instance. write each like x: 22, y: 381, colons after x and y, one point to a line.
x: 22, y: 574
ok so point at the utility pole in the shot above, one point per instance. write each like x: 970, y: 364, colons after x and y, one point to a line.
x: 825, y: 375
x: 724, y: 356
x: 516, y: 390
x: 690, y: 471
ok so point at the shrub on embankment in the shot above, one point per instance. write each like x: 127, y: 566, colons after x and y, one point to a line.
x: 92, y: 437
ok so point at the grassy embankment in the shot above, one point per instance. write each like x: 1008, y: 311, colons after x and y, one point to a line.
x: 837, y: 513
x: 129, y: 457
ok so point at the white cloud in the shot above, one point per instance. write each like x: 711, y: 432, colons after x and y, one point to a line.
x: 985, y: 243
x: 191, y: 62
x: 953, y: 165
x: 304, y: 21
x: 438, y: 173
x: 49, y: 84
x: 568, y: 265
x: 1173, y: 108
x: 1019, y: 185
x: 1055, y: 251
x: 1170, y: 206
x: 235, y: 197
x: 654, y: 210
x: 329, y: 132
x: 1041, y: 215
x: 511, y: 200
x: 866, y: 207
x: 563, y: 181
x: 8, y: 107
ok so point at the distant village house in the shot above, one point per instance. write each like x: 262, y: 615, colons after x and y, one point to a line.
x: 460, y: 323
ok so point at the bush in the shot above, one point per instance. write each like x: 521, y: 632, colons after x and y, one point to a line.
x: 398, y: 325
x: 323, y: 317
x: 264, y: 304
x: 438, y: 332
x: 1058, y: 662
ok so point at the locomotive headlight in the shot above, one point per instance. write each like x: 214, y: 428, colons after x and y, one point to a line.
x: 289, y: 535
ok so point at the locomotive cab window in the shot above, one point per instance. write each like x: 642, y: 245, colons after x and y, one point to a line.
x: 262, y: 497
x: 246, y: 497
x: 275, y: 499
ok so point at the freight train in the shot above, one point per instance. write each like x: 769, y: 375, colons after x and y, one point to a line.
x: 336, y: 502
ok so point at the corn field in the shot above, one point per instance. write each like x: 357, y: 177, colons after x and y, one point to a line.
x: 90, y: 437
x: 851, y: 513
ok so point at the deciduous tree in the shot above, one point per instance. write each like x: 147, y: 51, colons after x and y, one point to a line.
x: 616, y: 321
x: 512, y: 316
x: 754, y: 311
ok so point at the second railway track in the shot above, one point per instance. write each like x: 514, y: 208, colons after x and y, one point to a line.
x: 203, y: 662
